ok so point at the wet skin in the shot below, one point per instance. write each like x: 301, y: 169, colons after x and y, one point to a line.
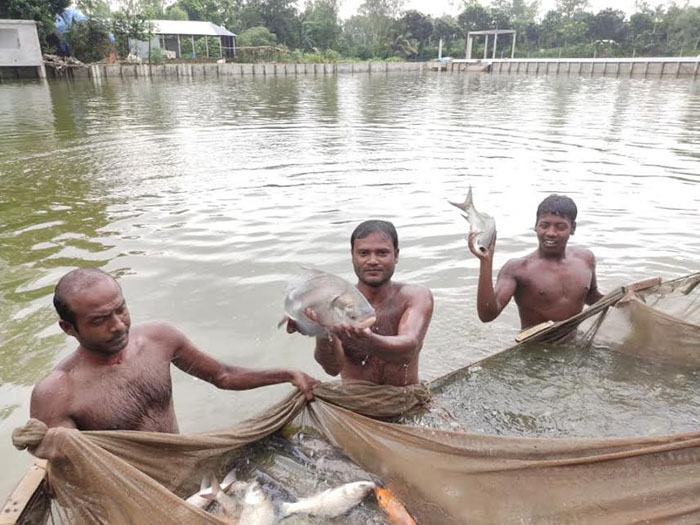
x: 119, y: 377
x: 552, y: 283
x: 386, y: 353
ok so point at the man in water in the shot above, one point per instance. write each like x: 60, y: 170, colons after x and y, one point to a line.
x: 386, y: 353
x: 552, y: 283
x: 119, y: 377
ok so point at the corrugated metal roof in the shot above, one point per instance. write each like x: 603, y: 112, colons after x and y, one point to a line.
x: 189, y: 27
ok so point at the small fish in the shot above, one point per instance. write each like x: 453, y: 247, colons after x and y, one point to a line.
x: 257, y: 507
x: 483, y: 224
x: 204, y: 496
x: 333, y: 299
x: 330, y: 503
x: 394, y: 509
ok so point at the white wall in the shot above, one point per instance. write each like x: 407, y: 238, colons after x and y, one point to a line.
x: 19, y: 43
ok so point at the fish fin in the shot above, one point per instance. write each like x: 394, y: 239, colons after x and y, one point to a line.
x: 464, y: 206
x: 206, y: 488
x: 279, y: 325
x: 228, y: 480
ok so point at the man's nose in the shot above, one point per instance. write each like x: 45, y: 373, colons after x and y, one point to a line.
x: 117, y: 324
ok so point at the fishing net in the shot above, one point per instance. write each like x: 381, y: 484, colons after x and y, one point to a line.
x: 442, y: 475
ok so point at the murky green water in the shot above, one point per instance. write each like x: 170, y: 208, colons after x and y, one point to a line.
x: 205, y: 195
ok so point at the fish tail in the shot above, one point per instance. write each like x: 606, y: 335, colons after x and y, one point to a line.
x: 286, y: 509
x: 282, y: 321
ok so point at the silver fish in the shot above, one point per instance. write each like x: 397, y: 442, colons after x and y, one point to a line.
x: 332, y: 298
x: 330, y: 503
x: 206, y: 492
x: 257, y: 507
x: 482, y: 223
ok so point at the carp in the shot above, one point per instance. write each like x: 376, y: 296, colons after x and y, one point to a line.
x: 333, y: 299
x: 330, y: 503
x: 394, y: 509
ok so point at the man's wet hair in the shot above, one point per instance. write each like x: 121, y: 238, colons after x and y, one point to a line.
x: 375, y: 226
x: 73, y: 282
x: 559, y: 205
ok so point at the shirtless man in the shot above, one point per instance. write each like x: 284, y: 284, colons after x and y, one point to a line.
x: 386, y: 353
x: 552, y: 283
x: 119, y: 377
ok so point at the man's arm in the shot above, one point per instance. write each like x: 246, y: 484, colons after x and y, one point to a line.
x: 329, y: 354
x: 190, y: 359
x: 50, y: 401
x: 401, y: 348
x: 594, y: 294
x: 490, y: 302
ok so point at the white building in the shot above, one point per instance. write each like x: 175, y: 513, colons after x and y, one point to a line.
x: 20, y: 53
x: 178, y: 37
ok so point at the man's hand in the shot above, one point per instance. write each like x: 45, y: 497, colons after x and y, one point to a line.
x: 357, y: 338
x: 481, y: 255
x: 305, y: 383
x: 292, y: 326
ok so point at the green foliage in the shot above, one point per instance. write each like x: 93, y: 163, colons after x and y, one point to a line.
x: 42, y: 11
x: 157, y: 56
x: 89, y: 41
x: 94, y: 8
x: 175, y: 12
x: 207, y: 47
x: 256, y: 36
x: 131, y: 22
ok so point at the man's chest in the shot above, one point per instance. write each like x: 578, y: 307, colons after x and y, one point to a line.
x: 122, y: 398
x: 545, y: 283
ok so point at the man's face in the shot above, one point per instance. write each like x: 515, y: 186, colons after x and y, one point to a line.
x: 553, y: 232
x: 374, y: 259
x: 101, y: 318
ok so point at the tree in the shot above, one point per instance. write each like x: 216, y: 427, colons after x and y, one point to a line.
x: 319, y: 25
x: 175, y: 12
x: 88, y: 41
x: 132, y: 23
x: 95, y: 8
x: 279, y: 17
x: 256, y: 37
x: 473, y: 18
x: 569, y: 8
x: 42, y: 11
x: 418, y: 27
x: 608, y: 24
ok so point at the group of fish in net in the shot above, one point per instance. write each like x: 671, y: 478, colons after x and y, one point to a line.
x: 264, y: 480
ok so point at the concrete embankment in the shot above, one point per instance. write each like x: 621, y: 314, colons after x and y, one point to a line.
x: 233, y: 69
x: 655, y: 66
x: 651, y: 66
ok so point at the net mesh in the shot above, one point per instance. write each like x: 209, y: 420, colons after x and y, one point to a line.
x: 442, y: 476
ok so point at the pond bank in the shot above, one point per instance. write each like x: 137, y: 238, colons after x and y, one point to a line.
x: 233, y: 69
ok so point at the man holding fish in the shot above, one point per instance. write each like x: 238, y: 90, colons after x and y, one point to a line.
x: 119, y: 377
x: 382, y: 347
x: 552, y: 283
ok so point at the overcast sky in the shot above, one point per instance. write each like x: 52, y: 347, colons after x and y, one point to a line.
x: 453, y: 7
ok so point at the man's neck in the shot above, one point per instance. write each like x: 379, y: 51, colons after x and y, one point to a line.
x: 554, y: 257
x: 376, y: 294
x: 99, y: 358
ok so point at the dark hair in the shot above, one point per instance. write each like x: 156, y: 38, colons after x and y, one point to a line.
x: 375, y: 226
x: 72, y: 282
x: 560, y: 205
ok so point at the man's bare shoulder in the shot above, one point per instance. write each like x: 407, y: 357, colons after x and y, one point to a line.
x: 157, y: 334
x: 415, y: 292
x: 54, y: 389
x: 582, y: 253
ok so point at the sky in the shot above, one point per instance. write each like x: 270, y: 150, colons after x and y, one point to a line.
x: 453, y: 7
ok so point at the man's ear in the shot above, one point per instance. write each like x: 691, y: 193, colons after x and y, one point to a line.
x: 573, y: 227
x: 396, y: 254
x: 67, y: 327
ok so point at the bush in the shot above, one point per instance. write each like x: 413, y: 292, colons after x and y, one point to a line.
x: 88, y: 41
x: 157, y: 56
x: 394, y: 59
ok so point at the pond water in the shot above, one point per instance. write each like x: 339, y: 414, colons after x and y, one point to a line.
x: 204, y: 196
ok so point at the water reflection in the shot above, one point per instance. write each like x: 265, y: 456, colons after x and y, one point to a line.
x: 204, y: 196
